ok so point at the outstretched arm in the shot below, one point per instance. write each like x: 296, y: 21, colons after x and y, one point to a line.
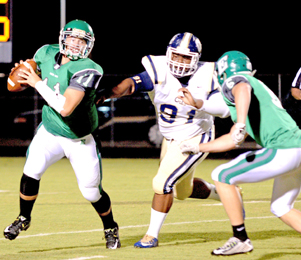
x: 124, y: 88
x: 222, y: 144
x: 237, y: 134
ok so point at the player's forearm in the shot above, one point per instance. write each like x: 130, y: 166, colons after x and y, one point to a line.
x: 56, y: 101
x: 221, y: 144
x: 125, y: 88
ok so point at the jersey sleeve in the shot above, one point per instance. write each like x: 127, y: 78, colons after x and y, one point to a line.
x: 215, y: 86
x: 143, y: 82
x: 230, y: 83
x: 216, y: 106
x: 297, y: 80
x: 85, y: 79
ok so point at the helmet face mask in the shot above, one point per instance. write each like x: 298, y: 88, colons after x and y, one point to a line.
x: 231, y: 63
x: 76, y: 40
x: 183, y: 54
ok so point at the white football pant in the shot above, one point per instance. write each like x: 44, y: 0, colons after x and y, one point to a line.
x: 46, y: 149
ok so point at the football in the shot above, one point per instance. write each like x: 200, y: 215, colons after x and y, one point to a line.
x: 12, y: 82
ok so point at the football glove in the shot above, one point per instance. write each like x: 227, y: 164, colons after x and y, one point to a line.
x: 187, y: 147
x: 239, y: 133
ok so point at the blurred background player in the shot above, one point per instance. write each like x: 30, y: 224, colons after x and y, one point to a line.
x: 68, y: 85
x: 292, y: 101
x: 256, y: 111
x: 162, y: 78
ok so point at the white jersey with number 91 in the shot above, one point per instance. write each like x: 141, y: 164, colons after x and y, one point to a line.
x: 178, y: 121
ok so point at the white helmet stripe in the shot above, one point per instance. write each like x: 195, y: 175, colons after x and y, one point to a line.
x: 184, y: 44
x: 186, y: 40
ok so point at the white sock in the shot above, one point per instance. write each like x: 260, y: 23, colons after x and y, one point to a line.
x: 156, y: 222
x: 213, y: 194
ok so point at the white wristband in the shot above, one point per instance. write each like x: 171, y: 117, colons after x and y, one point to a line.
x: 56, y: 101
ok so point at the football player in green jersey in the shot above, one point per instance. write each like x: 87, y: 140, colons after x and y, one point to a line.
x: 255, y: 111
x: 68, y: 84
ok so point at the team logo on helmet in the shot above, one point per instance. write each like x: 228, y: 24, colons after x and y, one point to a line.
x: 222, y: 64
x: 231, y: 63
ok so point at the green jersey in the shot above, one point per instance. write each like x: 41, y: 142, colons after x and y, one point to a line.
x: 82, y: 74
x: 267, y: 122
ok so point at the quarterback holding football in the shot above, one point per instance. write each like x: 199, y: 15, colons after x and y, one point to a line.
x: 68, y: 84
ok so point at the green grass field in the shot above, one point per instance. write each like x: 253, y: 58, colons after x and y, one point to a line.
x: 65, y: 226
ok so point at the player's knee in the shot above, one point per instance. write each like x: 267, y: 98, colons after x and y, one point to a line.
x: 91, y: 194
x: 157, y: 190
x: 280, y: 209
x: 158, y: 186
x: 182, y: 190
x: 29, y: 186
x: 183, y: 194
x: 103, y: 205
x: 215, y: 173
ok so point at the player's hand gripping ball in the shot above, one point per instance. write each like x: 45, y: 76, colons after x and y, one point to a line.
x: 12, y: 82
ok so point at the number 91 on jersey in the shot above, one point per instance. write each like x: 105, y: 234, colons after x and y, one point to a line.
x: 5, y: 31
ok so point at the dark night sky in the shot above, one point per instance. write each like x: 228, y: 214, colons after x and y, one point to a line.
x: 126, y: 32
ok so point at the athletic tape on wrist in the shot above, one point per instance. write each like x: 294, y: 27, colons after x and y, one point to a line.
x: 56, y: 101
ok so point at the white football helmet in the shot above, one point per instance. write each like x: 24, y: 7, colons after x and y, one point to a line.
x: 185, y: 44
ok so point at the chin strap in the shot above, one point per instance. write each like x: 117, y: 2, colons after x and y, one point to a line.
x: 56, y: 101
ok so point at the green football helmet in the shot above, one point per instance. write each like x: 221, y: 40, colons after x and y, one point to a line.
x: 76, y: 29
x: 231, y: 63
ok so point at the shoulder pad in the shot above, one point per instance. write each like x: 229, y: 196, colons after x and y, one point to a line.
x: 156, y: 67
x: 85, y: 64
